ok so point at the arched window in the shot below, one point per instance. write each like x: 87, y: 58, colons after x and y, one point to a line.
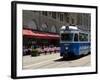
x: 44, y: 27
x: 53, y: 29
x: 32, y: 25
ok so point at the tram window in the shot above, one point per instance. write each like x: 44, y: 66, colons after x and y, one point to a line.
x: 83, y: 37
x: 76, y: 37
x: 67, y: 36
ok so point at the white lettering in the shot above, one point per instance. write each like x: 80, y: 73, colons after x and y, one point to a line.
x: 84, y: 47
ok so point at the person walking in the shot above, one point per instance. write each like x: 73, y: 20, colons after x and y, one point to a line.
x: 45, y: 50
x: 55, y: 49
x: 50, y: 50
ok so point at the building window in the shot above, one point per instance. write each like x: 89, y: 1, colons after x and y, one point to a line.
x: 67, y: 19
x: 89, y: 20
x: 44, y: 27
x: 44, y: 13
x: 32, y: 25
x: 53, y: 29
x: 58, y: 14
x: 79, y: 19
x: 61, y: 17
x: 50, y: 13
x: 54, y: 15
x: 72, y: 20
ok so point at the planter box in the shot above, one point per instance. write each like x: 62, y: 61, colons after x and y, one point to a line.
x: 34, y: 53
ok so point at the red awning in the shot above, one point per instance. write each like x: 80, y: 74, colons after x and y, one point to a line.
x: 28, y: 33
x: 40, y: 34
x: 53, y: 35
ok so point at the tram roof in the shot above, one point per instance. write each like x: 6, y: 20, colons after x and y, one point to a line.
x: 69, y: 28
x: 72, y: 28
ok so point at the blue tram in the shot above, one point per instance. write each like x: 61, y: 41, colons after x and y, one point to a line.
x: 74, y: 42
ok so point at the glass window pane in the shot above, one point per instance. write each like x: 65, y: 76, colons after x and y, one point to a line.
x: 83, y: 37
x: 76, y: 37
x: 67, y: 36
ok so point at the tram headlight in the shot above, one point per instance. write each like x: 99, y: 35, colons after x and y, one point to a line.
x: 66, y: 48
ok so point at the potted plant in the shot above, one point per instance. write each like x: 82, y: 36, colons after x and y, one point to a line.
x: 34, y: 52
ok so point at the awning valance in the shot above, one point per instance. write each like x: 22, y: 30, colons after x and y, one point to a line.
x: 40, y: 34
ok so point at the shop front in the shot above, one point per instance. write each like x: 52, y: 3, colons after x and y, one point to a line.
x: 36, y: 39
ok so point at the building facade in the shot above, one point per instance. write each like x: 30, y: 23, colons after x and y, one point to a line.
x: 52, y: 21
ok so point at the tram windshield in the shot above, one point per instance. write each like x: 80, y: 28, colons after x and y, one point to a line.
x: 67, y: 36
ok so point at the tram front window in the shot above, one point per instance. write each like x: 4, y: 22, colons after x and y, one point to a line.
x: 67, y: 36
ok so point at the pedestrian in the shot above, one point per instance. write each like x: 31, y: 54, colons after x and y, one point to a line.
x: 45, y: 50
x: 55, y: 49
x: 39, y: 50
x: 52, y: 49
x: 48, y: 50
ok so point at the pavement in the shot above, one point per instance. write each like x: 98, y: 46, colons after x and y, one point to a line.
x: 54, y: 61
